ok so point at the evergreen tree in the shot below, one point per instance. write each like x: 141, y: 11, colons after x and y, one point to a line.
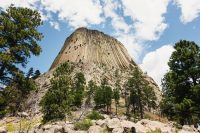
x: 140, y: 94
x: 91, y: 88
x: 181, y: 84
x: 16, y: 92
x: 60, y: 96
x: 36, y: 74
x: 103, y: 95
x: 79, y: 87
x: 116, y: 96
x: 18, y: 40
x: 30, y: 73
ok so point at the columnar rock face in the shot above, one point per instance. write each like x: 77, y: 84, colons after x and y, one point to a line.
x: 91, y: 46
x: 97, y: 56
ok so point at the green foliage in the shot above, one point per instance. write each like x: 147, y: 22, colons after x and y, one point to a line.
x: 116, y: 97
x: 155, y: 131
x: 140, y: 93
x: 79, y: 87
x: 181, y: 85
x: 91, y: 88
x: 18, y: 40
x: 17, y: 92
x: 83, y: 125
x: 59, y: 98
x: 3, y: 105
x: 36, y: 74
x: 103, y: 95
x: 94, y: 115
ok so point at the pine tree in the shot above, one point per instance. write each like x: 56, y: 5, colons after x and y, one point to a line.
x: 91, y: 88
x: 79, y: 87
x: 181, y: 84
x: 19, y: 38
x: 140, y: 94
x: 60, y: 97
x: 36, y: 74
x: 103, y: 95
x: 116, y: 96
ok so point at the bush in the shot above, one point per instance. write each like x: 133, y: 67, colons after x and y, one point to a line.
x: 94, y: 115
x: 83, y: 125
x: 155, y: 131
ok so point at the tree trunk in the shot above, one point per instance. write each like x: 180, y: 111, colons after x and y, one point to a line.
x: 116, y: 107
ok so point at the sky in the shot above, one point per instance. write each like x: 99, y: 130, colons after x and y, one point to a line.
x: 147, y: 28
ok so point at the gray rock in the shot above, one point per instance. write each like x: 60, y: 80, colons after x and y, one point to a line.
x: 114, y: 123
x: 58, y: 129
x: 100, y: 122
x: 3, y: 130
x: 118, y: 130
x: 187, y: 128
x: 95, y: 129
x: 46, y: 127
x: 127, y: 124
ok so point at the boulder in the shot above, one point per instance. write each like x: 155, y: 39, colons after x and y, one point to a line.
x: 58, y: 129
x: 127, y: 124
x: 113, y: 123
x: 118, y: 130
x: 187, y: 128
x: 95, y: 129
x: 46, y: 127
x: 100, y: 122
x: 183, y: 131
x: 3, y: 130
x: 140, y: 128
x: 152, y: 125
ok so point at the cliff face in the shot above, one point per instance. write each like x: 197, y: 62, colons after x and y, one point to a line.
x: 91, y: 46
x: 96, y: 55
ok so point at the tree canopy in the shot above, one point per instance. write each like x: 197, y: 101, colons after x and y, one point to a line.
x: 19, y: 38
x: 181, y: 85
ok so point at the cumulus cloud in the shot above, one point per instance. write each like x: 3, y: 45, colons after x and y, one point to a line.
x: 155, y: 62
x: 21, y: 3
x: 55, y: 25
x: 75, y: 12
x: 190, y: 9
x: 134, y: 47
x: 147, y: 15
x: 110, y: 11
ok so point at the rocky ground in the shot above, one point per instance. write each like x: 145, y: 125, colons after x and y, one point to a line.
x: 106, y: 125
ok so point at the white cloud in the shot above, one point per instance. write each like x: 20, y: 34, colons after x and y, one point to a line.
x: 147, y: 16
x: 134, y: 47
x: 190, y: 9
x: 76, y: 13
x: 21, y: 3
x: 118, y: 22
x: 155, y: 63
x: 55, y: 25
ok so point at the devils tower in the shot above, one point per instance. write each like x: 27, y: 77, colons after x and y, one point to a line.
x: 97, y: 56
x: 92, y: 46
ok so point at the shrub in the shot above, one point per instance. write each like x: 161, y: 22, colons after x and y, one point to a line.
x: 155, y: 131
x: 83, y: 125
x: 94, y: 115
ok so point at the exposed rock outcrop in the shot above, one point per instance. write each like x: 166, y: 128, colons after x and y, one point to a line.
x: 95, y: 54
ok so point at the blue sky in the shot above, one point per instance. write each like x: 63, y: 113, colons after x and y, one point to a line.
x: 147, y: 28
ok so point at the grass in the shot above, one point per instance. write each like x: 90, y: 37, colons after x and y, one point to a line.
x: 155, y: 131
x: 94, y: 115
x: 14, y: 124
x: 155, y: 117
x: 83, y: 125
